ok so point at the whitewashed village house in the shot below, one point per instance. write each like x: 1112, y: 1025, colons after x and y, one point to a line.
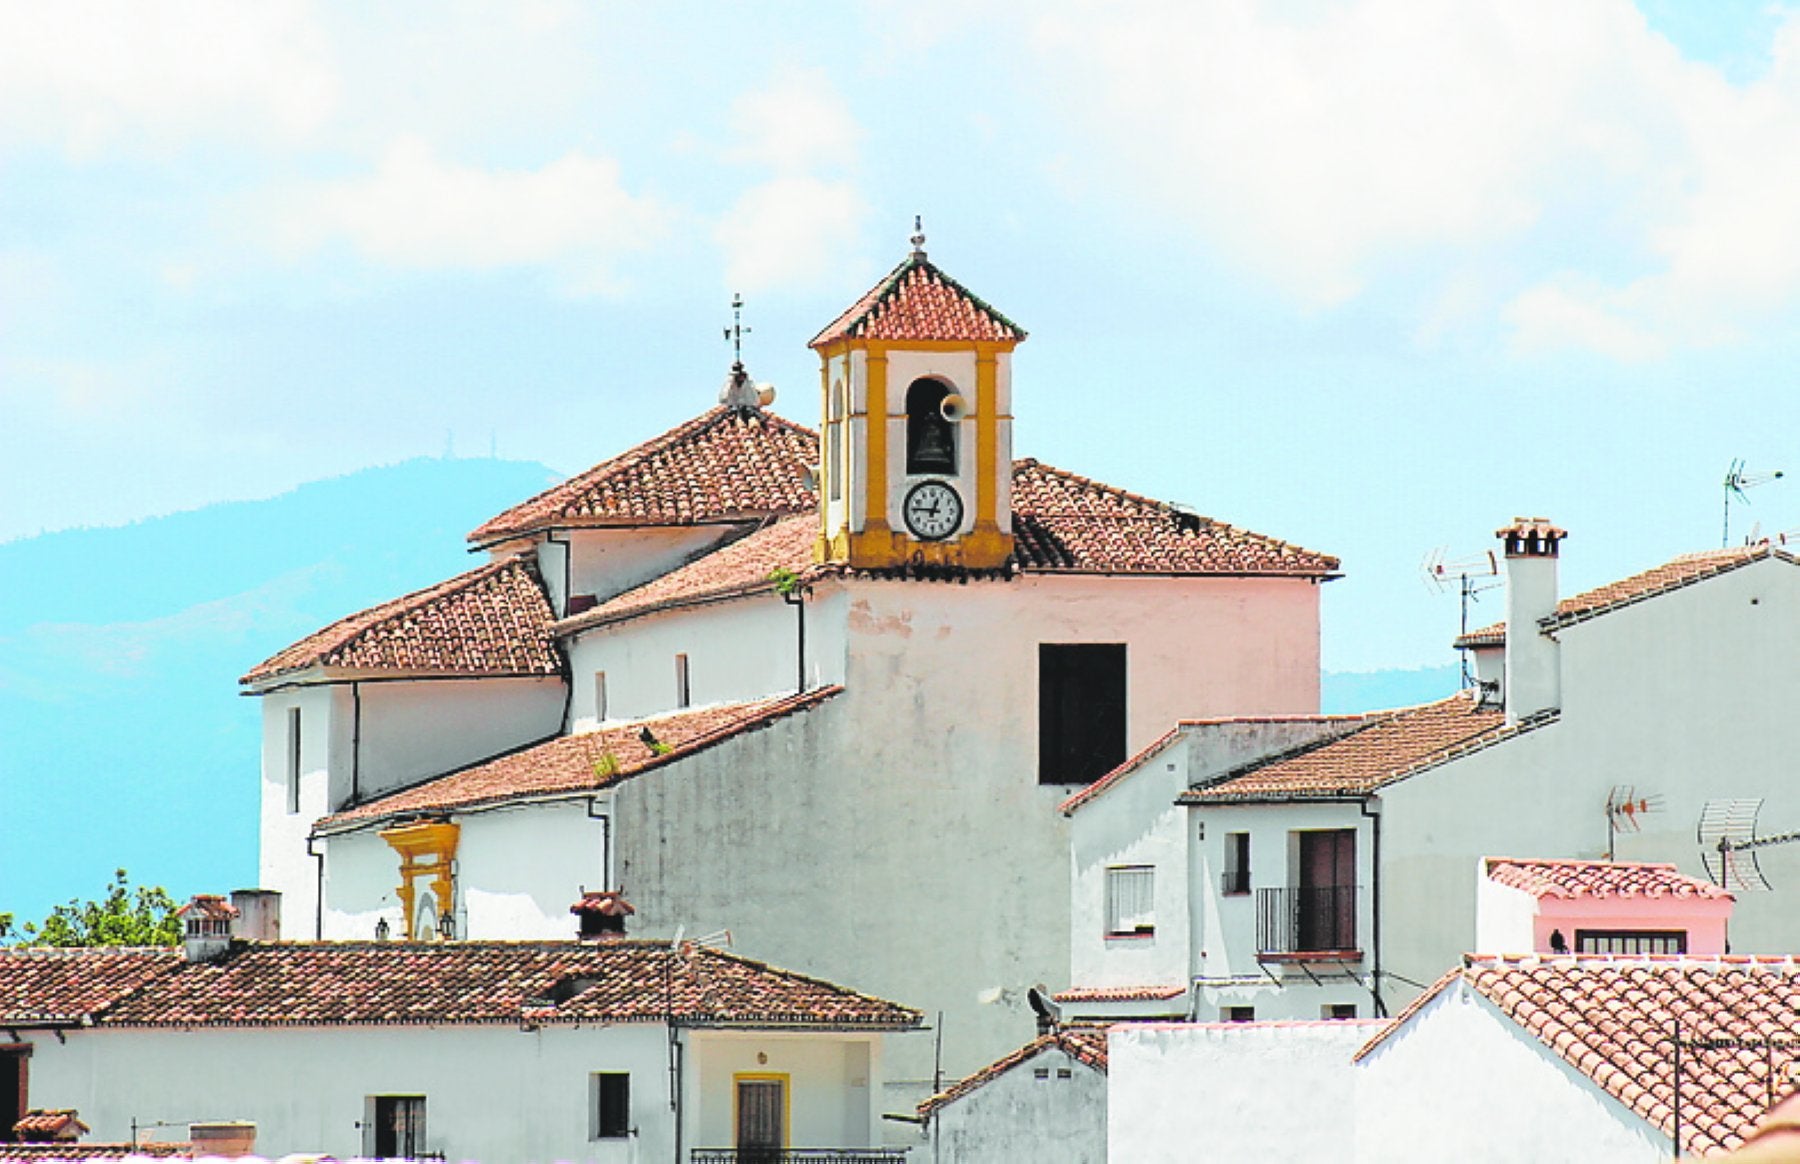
x: 1046, y: 1101
x: 616, y: 1050
x: 1319, y: 867
x: 826, y: 695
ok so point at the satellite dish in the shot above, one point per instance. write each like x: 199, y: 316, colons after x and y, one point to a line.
x: 1728, y: 844
x: 1049, y: 1015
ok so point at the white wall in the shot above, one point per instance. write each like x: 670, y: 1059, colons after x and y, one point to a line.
x: 1462, y: 1082
x: 1018, y: 1116
x: 1238, y: 1093
x: 607, y: 562
x: 412, y: 730
x: 492, y: 1093
x: 283, y: 863
x: 831, y: 1084
x: 1505, y: 918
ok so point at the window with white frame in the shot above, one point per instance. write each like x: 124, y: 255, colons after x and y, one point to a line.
x: 600, y: 695
x: 1131, y: 900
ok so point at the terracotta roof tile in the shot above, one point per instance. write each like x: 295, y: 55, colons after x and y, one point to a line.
x: 627, y: 980
x: 48, y: 1153
x: 209, y: 905
x: 726, y: 464
x: 1121, y: 993
x: 1597, y: 879
x: 1391, y: 746
x: 55, y: 986
x: 1672, y: 575
x: 1612, y: 1019
x: 580, y: 763
x: 492, y: 621
x: 1066, y: 522
x: 40, y: 1124
x: 916, y: 301
x: 1086, y: 1045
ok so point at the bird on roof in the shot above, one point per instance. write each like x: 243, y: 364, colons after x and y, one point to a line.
x: 648, y: 738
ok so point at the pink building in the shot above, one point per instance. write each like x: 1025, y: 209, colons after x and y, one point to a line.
x: 1597, y: 907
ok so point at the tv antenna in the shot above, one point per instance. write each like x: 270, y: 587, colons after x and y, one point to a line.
x: 1623, y: 808
x: 1728, y: 843
x: 1738, y: 478
x: 1471, y: 576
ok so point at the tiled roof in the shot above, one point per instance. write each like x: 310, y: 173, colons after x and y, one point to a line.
x: 1571, y: 879
x: 1611, y: 1018
x: 1063, y: 522
x: 627, y: 980
x: 580, y: 763
x: 56, y: 986
x: 1672, y: 575
x: 1084, y: 1044
x: 1389, y: 748
x: 48, y: 1153
x: 726, y: 464
x: 1121, y: 993
x: 492, y: 621
x: 916, y: 301
x: 606, y: 903
x: 40, y: 1124
x: 210, y: 906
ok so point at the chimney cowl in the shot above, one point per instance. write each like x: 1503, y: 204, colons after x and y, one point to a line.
x: 602, y: 913
x: 1533, y: 537
x: 206, y: 926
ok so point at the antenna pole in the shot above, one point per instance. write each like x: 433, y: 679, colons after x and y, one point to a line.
x: 1468, y: 670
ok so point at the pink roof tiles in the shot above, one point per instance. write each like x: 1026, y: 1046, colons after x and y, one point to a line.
x: 726, y: 464
x: 916, y: 301
x: 40, y: 1125
x: 1086, y: 1045
x: 50, y: 987
x: 1612, y: 1018
x: 1390, y: 747
x: 628, y: 980
x: 1672, y: 575
x: 1599, y: 879
x: 492, y: 621
x: 580, y: 763
x: 1121, y: 993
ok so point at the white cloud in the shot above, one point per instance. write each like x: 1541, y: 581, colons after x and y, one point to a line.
x: 789, y: 231
x: 572, y: 216
x: 1609, y: 190
x: 797, y: 123
x: 86, y: 75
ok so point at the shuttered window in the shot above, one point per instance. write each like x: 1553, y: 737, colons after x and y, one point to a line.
x: 1131, y: 899
x: 611, y: 1104
x: 1081, y: 711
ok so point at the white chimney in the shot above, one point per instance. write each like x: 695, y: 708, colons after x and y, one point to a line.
x: 258, y: 915
x: 206, y: 926
x: 1533, y: 671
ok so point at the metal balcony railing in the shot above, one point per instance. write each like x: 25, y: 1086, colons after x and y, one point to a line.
x: 1305, y: 920
x: 797, y: 1155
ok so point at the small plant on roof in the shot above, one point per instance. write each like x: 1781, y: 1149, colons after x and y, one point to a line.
x: 607, y: 766
x: 787, y: 583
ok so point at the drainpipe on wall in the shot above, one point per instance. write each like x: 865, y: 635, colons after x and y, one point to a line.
x: 1374, y: 819
x: 606, y: 853
x: 355, y: 743
x: 318, y: 888
x: 796, y: 598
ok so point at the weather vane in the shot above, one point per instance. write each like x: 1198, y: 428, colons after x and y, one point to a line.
x: 918, y: 238
x: 737, y: 331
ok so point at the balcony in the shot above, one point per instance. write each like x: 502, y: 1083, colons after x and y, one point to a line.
x: 1302, y: 923
x: 797, y: 1156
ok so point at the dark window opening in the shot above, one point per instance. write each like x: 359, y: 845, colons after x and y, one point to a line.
x: 684, y: 693
x: 1240, y: 1014
x: 394, y: 1127
x: 1631, y: 941
x: 834, y: 441
x: 1081, y: 711
x: 1236, y: 879
x: 1338, y: 1010
x: 612, y: 1105
x: 293, y: 760
x: 930, y: 439
x: 15, y: 1090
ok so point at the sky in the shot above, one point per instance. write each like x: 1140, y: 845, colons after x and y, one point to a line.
x: 1370, y: 276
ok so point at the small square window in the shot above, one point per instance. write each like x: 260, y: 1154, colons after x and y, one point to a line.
x: 1040, y: 1073
x: 610, y: 1103
x: 1131, y: 900
x: 1338, y: 1010
x: 1238, y: 1014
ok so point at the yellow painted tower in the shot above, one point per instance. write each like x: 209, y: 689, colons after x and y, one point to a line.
x: 917, y: 425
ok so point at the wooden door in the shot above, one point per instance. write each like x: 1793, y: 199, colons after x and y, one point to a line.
x: 1327, y: 890
x: 761, y: 1119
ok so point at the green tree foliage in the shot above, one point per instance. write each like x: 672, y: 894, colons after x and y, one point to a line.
x: 144, y: 916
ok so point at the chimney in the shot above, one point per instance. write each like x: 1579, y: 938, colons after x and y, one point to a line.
x: 206, y: 926
x: 1533, y: 671
x: 258, y: 915
x: 602, y: 914
x: 224, y: 1139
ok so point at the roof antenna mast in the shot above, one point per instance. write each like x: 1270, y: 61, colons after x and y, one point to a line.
x: 1466, y: 574
x: 918, y: 235
x: 1738, y: 479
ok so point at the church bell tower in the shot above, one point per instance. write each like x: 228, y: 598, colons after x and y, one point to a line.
x: 917, y: 434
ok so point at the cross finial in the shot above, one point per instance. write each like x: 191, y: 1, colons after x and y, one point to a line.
x: 918, y: 238
x: 737, y: 331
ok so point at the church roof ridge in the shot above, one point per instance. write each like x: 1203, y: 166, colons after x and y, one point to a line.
x: 918, y: 301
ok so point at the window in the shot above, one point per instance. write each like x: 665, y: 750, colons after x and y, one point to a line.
x: 1631, y: 941
x: 394, y: 1127
x: 1081, y: 711
x: 1131, y: 900
x: 1236, y: 878
x: 600, y: 695
x: 1338, y: 1010
x: 683, y: 693
x: 15, y: 1087
x: 930, y: 439
x: 293, y: 759
x: 834, y: 441
x: 1238, y: 1014
x: 610, y: 1103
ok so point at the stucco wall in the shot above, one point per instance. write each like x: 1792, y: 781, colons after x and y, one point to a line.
x: 283, y: 862
x: 830, y: 1081
x: 606, y: 562
x: 1461, y: 1082
x: 409, y: 731
x: 1237, y: 1092
x: 1018, y: 1116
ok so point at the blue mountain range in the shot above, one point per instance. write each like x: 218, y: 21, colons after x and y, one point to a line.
x: 123, y: 740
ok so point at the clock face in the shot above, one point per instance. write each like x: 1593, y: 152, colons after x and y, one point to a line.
x: 933, y: 511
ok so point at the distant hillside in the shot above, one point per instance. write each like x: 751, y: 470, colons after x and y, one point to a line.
x: 126, y: 743
x: 1344, y: 692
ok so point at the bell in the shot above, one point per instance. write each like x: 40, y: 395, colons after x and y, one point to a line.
x: 933, y: 450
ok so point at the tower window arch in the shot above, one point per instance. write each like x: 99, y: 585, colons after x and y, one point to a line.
x: 930, y: 439
x: 834, y: 440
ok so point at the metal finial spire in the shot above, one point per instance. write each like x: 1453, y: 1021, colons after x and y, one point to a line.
x: 737, y: 331
x: 918, y: 238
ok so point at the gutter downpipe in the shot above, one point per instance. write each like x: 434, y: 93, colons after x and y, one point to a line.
x: 606, y: 849
x: 318, y: 888
x: 355, y: 742
x: 1374, y: 819
x: 796, y: 598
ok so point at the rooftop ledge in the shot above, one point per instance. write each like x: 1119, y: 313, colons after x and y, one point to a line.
x: 1313, y: 956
